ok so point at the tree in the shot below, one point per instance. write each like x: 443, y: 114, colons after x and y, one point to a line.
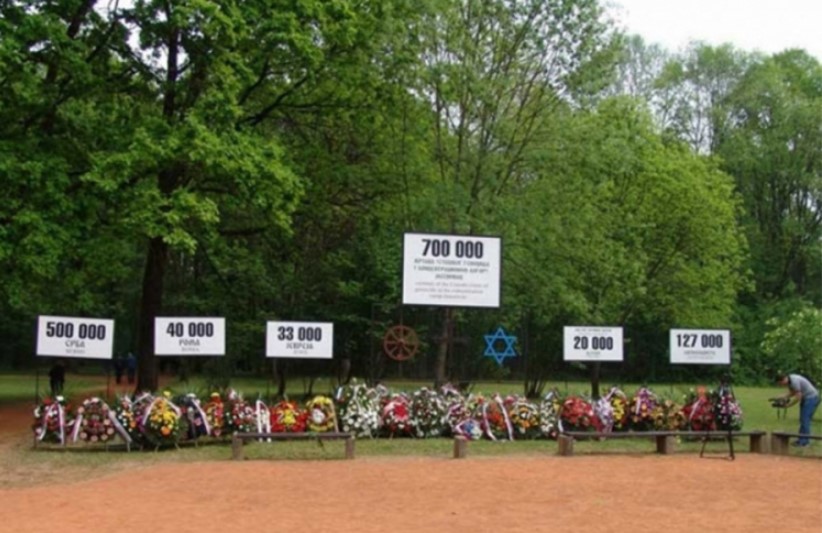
x: 493, y: 71
x: 794, y: 344
x: 621, y: 228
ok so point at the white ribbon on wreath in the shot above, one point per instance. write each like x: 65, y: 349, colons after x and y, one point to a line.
x: 263, y: 417
x: 508, y: 426
x: 195, y: 402
x: 61, y: 421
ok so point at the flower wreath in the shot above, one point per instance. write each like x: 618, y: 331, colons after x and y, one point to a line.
x: 162, y: 421
x: 198, y: 425
x: 96, y: 422
x: 456, y: 418
x: 215, y: 414
x: 641, y: 410
x: 396, y: 416
x: 239, y: 415
x: 577, y: 415
x: 698, y: 411
x: 428, y: 413
x: 727, y: 411
x: 287, y: 417
x: 494, y: 419
x: 52, y: 417
x: 358, y: 409
x: 321, y: 414
x: 524, y: 417
x: 549, y: 409
x: 129, y: 414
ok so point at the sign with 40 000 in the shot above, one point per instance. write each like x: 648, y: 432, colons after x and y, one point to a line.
x: 64, y: 336
x: 189, y: 336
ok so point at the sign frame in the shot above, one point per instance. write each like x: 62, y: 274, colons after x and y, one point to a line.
x: 418, y: 273
x: 164, y: 345
x: 571, y: 353
x: 679, y: 356
x: 278, y: 348
x: 66, y: 340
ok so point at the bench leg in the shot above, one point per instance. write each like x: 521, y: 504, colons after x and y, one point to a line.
x: 460, y: 447
x: 566, y: 445
x: 349, y: 448
x: 665, y: 444
x: 236, y: 448
x: 757, y: 444
x: 779, y: 445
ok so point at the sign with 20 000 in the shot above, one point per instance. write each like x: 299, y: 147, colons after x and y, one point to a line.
x: 700, y: 346
x: 592, y: 343
x: 189, y: 336
x: 451, y: 270
x: 63, y: 336
x: 309, y: 340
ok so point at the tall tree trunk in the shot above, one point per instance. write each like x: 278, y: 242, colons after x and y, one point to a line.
x: 442, y: 348
x: 150, y: 307
x: 595, y: 368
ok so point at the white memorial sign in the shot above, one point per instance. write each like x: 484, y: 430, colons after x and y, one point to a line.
x: 700, y: 346
x: 63, y: 336
x: 592, y: 343
x: 451, y: 270
x: 189, y: 336
x: 309, y: 340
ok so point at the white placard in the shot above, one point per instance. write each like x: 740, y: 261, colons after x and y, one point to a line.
x: 700, y: 346
x: 451, y: 270
x: 592, y: 343
x: 64, y: 336
x: 303, y: 340
x: 189, y: 336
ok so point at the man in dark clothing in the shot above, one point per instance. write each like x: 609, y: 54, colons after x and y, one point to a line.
x: 131, y: 368
x: 57, y: 378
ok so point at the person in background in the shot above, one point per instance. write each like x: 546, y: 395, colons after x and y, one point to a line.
x: 57, y: 378
x: 131, y: 368
x: 801, y: 391
x: 119, y: 368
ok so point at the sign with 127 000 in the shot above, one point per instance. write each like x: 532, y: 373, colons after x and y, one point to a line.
x: 592, y: 343
x: 63, y: 336
x: 700, y: 346
x: 309, y: 340
x: 451, y: 270
x: 189, y: 336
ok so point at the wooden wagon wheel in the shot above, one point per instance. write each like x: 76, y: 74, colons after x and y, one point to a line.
x: 400, y: 343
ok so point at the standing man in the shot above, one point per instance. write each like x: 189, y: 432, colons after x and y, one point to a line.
x: 57, y: 378
x: 131, y: 368
x: 802, y: 391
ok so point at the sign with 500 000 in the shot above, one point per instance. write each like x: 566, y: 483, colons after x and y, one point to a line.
x: 700, y: 346
x: 309, y: 340
x: 592, y: 343
x: 63, y: 336
x: 189, y: 336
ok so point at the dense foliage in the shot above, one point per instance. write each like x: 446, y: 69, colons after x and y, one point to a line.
x: 261, y: 159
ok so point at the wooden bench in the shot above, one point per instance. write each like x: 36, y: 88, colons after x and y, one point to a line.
x: 665, y: 440
x: 238, y: 439
x: 780, y: 441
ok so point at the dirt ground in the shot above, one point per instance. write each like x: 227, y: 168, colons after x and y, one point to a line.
x: 591, y: 493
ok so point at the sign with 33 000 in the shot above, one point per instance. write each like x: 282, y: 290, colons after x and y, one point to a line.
x: 592, y: 343
x: 451, y: 270
x: 700, y: 346
x: 309, y: 340
x: 189, y: 336
x: 63, y: 336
